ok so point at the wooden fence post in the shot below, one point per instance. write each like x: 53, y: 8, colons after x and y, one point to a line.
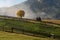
x: 52, y: 36
x: 12, y: 30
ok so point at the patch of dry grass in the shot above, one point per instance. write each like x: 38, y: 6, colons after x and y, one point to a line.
x: 14, y: 36
x: 53, y: 21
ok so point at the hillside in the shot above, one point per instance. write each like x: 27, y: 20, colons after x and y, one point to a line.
x: 29, y: 27
x: 14, y: 36
x: 46, y: 9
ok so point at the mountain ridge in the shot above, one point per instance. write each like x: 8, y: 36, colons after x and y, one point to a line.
x: 46, y: 9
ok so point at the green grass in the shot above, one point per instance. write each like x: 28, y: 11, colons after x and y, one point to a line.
x: 39, y: 28
x: 14, y: 36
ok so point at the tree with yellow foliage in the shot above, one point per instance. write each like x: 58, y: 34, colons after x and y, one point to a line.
x: 20, y: 13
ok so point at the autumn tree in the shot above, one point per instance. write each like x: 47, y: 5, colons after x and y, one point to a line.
x: 20, y: 13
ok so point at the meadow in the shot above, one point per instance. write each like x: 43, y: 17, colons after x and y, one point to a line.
x: 22, y: 26
x: 14, y: 36
x: 53, y: 21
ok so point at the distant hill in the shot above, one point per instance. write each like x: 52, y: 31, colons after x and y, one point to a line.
x: 46, y: 9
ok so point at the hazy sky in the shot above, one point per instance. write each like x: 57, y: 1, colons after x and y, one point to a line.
x: 7, y: 3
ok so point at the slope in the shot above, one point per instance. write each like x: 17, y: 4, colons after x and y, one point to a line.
x: 14, y: 36
x: 46, y: 9
x: 28, y: 27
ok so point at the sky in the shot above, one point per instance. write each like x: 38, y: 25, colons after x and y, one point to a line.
x: 8, y: 3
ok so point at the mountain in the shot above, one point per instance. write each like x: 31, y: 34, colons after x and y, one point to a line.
x: 49, y: 9
x: 23, y: 6
x: 46, y: 9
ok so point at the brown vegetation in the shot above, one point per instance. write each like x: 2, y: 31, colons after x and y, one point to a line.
x: 53, y: 21
x: 20, y: 13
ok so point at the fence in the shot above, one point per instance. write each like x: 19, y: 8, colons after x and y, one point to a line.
x: 20, y: 26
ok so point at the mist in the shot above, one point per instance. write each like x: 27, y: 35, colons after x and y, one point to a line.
x: 46, y: 9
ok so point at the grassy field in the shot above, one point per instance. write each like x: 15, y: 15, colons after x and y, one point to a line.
x: 14, y: 36
x: 37, y: 27
x: 53, y: 21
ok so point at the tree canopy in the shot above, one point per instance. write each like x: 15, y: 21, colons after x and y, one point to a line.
x: 20, y: 13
